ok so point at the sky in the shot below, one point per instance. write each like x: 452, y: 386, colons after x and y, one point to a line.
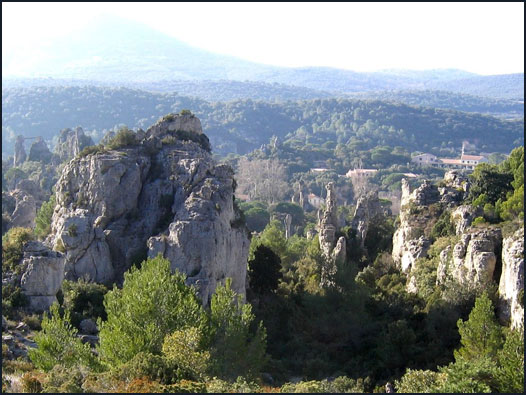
x: 483, y: 38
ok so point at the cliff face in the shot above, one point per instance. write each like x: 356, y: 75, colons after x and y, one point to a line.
x: 409, y: 240
x: 473, y: 259
x: 160, y: 194
x: 511, y: 285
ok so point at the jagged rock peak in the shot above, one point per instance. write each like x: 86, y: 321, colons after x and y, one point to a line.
x: 167, y: 196
x: 185, y: 121
x: 71, y: 142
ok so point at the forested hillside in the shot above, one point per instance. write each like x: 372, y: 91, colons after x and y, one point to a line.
x: 243, y: 125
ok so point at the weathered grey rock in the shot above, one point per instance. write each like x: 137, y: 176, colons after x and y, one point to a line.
x: 463, y: 216
x: 175, y: 122
x: 328, y: 222
x: 25, y: 209
x: 71, y: 142
x: 367, y: 209
x: 512, y: 280
x: 88, y: 326
x: 43, y: 275
x: 414, y: 249
x: 475, y: 256
x: 150, y: 198
x: 20, y: 152
x: 39, y: 152
x: 4, y: 324
x: 333, y: 251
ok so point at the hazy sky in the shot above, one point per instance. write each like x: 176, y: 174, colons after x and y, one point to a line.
x: 485, y: 38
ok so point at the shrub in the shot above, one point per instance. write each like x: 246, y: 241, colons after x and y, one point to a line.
x: 57, y: 344
x: 478, y: 221
x: 12, y: 245
x: 264, y: 270
x: 236, y: 351
x: 183, y: 349
x: 65, y: 380
x: 84, y: 299
x: 147, y: 365
x: 92, y: 149
x: 123, y: 138
x: 168, y: 140
x: 151, y: 304
x: 43, y: 218
x: 186, y: 387
x: 33, y: 321
x: 419, y: 381
x: 31, y: 383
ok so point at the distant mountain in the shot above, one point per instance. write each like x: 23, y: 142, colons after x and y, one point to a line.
x: 502, y: 108
x: 114, y: 50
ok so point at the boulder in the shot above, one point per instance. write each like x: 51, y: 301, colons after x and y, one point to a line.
x: 43, y: 275
x: 88, y: 327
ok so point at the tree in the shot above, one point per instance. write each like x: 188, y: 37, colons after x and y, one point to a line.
x: 43, y: 218
x: 264, y: 270
x: 262, y: 179
x: 152, y: 303
x: 236, y: 350
x: 183, y: 349
x: 57, y: 344
x: 511, y: 361
x: 481, y: 335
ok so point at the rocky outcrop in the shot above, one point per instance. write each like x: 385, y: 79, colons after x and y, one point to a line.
x: 158, y: 195
x: 409, y: 240
x: 473, y: 260
x: 172, y: 123
x: 455, y: 188
x: 70, y: 143
x: 24, y: 211
x: 511, y: 285
x: 367, y: 209
x: 43, y: 275
x: 39, y: 152
x: 20, y: 152
x: 463, y: 216
x: 333, y: 250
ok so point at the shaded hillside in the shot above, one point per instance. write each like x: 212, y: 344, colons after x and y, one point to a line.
x: 504, y: 108
x: 243, y: 125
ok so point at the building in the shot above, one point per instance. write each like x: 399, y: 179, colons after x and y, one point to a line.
x: 425, y: 159
x: 361, y: 173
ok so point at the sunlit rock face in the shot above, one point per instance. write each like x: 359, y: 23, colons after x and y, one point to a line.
x: 511, y: 285
x: 162, y: 194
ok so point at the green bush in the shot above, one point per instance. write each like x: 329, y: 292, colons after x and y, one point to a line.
x: 92, y: 149
x: 198, y: 138
x: 183, y: 348
x: 152, y: 303
x: 236, y: 350
x: 84, y: 299
x: 57, y: 344
x: 12, y: 245
x: 43, y: 218
x: 123, y: 138
x: 65, y: 380
x: 31, y: 383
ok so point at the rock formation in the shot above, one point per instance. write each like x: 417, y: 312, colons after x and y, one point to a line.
x: 70, y: 143
x: 39, y: 152
x: 43, y: 275
x: 367, y: 209
x: 333, y: 250
x: 455, y: 188
x: 511, y: 285
x: 473, y: 259
x: 463, y: 216
x: 164, y: 194
x: 20, y: 152
x: 409, y: 240
x: 20, y: 207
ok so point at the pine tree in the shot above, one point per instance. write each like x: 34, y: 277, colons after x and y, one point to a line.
x: 481, y: 334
